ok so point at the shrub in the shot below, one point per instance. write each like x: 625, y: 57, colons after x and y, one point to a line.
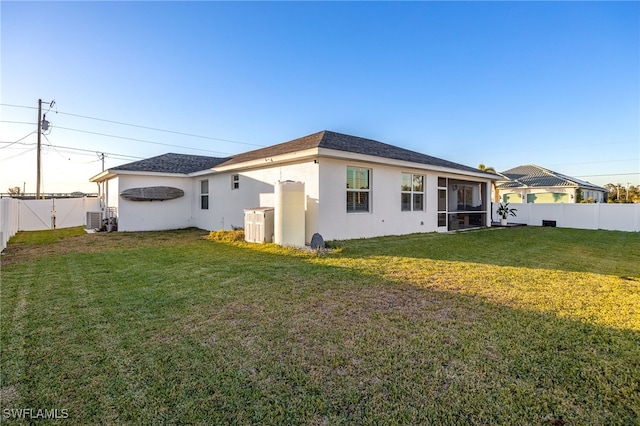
x: 222, y: 235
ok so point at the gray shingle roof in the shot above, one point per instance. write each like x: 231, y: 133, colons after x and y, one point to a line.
x: 172, y: 163
x: 184, y: 164
x: 347, y: 143
x: 535, y: 176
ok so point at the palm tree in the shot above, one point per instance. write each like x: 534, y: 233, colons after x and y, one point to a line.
x: 484, y: 168
x: 496, y: 192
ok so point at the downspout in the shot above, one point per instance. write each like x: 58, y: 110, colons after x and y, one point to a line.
x: 106, y: 199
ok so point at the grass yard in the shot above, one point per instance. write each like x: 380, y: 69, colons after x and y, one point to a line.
x: 499, y: 326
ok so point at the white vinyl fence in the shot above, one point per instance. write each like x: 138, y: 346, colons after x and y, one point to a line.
x: 36, y: 215
x: 9, y: 219
x: 612, y: 217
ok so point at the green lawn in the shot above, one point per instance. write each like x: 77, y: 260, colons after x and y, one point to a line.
x: 498, y: 326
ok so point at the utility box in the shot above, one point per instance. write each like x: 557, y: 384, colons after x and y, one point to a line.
x: 258, y: 225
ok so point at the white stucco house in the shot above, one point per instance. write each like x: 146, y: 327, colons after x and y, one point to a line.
x: 353, y: 188
x: 535, y: 184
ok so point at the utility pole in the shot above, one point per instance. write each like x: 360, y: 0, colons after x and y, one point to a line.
x: 40, y: 120
x: 38, y: 149
x: 102, y: 158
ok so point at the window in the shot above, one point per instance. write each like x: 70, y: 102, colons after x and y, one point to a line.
x: 358, y: 189
x: 468, y: 196
x: 235, y: 181
x: 442, y: 201
x: 442, y: 219
x: 204, y: 195
x: 511, y: 198
x: 412, y: 195
x: 465, y: 197
x: 548, y: 197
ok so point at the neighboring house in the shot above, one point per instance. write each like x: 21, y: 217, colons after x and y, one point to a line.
x: 535, y: 184
x: 353, y: 188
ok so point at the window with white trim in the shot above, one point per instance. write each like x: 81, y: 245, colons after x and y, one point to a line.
x: 442, y: 201
x: 204, y: 194
x: 412, y: 193
x: 235, y: 181
x: 358, y: 190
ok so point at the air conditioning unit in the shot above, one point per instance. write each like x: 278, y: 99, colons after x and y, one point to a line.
x: 94, y: 220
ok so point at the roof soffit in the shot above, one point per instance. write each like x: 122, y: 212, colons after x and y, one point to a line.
x: 110, y: 174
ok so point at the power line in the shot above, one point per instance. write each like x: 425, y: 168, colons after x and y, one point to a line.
x: 238, y: 142
x: 143, y: 127
x: 135, y: 140
x: 141, y: 140
x: 18, y: 122
x: 24, y: 137
x: 19, y: 106
x: 94, y: 151
x: 612, y: 174
x: 118, y: 137
x: 52, y: 146
x: 111, y: 154
x: 245, y: 143
x: 159, y: 130
x: 594, y: 162
x: 19, y: 143
x: 91, y: 154
x: 561, y: 148
x: 18, y: 154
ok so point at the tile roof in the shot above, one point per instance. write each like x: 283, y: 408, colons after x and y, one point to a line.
x: 172, y: 163
x: 535, y: 176
x: 184, y: 164
x: 348, y: 143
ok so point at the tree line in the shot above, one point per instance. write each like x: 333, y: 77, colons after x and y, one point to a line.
x: 619, y: 193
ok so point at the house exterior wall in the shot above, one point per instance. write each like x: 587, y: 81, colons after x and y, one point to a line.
x: 153, y: 215
x: 226, y: 205
x: 568, y: 195
x: 385, y: 216
x: 325, y: 194
x: 510, y: 196
x: 528, y: 195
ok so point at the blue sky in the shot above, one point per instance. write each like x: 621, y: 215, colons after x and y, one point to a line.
x: 499, y: 83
